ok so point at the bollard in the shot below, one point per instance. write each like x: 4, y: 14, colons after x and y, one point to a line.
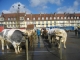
x: 27, y: 48
x: 60, y: 47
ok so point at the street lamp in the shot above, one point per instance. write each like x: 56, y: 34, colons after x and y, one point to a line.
x: 18, y: 19
x: 25, y: 19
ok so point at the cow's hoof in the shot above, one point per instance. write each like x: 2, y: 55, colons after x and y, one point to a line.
x: 64, y: 47
x: 58, y: 47
x: 16, y: 52
x: 8, y: 49
x: 2, y: 49
x: 20, y: 49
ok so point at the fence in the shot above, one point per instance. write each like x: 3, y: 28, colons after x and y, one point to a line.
x: 68, y: 28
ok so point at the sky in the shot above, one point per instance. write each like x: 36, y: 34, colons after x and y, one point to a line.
x: 40, y: 6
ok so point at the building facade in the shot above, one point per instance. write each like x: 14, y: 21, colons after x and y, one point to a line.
x: 21, y: 20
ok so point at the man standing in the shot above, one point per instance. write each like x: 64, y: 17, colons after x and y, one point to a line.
x: 76, y: 31
x: 38, y: 33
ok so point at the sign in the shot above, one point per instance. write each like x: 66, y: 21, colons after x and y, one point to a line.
x: 30, y: 26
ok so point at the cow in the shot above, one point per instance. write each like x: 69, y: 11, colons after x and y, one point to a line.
x: 44, y: 33
x: 13, y: 36
x: 56, y: 33
x: 32, y: 36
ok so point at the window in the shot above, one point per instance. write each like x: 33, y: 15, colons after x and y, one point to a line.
x: 74, y: 17
x: 14, y: 18
x: 38, y: 18
x: 57, y: 17
x: 27, y: 18
x: 54, y: 17
x: 68, y: 17
x: 64, y: 17
x: 72, y: 21
x: 13, y: 22
x: 42, y: 18
x: 61, y: 17
x: 38, y: 22
x: 46, y: 18
x: 1, y: 19
x: 9, y: 22
x: 11, y: 18
x: 43, y: 22
x: 71, y: 17
x: 8, y: 25
x: 79, y: 21
x: 46, y: 22
x: 54, y: 22
x: 8, y: 18
x: 77, y: 17
x: 21, y: 18
x: 50, y: 18
x: 50, y: 22
x: 33, y: 18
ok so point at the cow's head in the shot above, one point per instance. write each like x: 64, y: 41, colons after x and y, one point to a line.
x: 58, y: 32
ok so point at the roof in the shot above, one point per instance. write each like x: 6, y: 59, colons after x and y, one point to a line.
x: 31, y: 16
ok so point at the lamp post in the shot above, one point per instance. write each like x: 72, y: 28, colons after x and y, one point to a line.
x: 25, y: 20
x: 17, y: 17
x: 25, y: 23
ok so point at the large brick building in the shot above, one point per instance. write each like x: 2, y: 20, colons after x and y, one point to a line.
x: 20, y: 20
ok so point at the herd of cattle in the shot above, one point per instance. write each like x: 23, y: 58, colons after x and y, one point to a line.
x: 16, y: 36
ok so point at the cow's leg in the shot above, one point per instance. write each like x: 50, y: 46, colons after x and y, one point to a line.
x: 60, y: 42
x: 2, y: 42
x: 59, y: 45
x: 64, y: 44
x: 49, y: 38
x: 30, y: 41
x: 53, y: 39
x: 7, y: 46
x: 15, y: 47
x: 19, y: 49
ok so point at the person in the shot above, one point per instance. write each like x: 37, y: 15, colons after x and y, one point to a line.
x: 45, y: 35
x: 38, y: 33
x: 76, y: 32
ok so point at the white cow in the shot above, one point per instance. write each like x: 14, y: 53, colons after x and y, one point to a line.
x: 50, y: 35
x: 56, y: 33
x: 13, y: 36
